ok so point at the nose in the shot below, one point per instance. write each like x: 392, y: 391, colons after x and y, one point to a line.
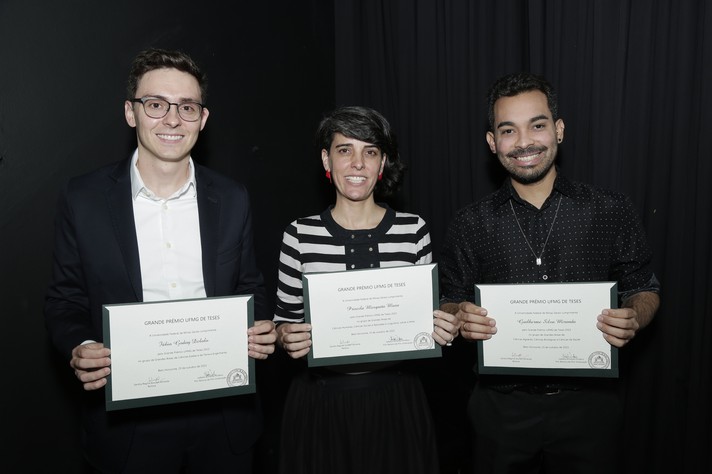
x: 524, y: 139
x: 172, y: 117
x: 358, y: 161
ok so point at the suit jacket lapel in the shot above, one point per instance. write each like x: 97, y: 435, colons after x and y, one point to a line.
x: 209, y: 212
x: 118, y: 196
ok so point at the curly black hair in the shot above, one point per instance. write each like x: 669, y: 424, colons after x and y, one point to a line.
x: 517, y: 83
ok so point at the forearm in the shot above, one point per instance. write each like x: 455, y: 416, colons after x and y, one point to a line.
x: 645, y: 304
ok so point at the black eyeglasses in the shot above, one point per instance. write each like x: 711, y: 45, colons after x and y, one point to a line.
x: 156, y: 107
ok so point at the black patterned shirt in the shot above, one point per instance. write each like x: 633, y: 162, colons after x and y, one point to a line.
x: 596, y: 236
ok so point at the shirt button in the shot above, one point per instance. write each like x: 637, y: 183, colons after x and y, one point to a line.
x: 353, y: 236
x: 168, y: 245
x: 544, y: 277
x: 173, y: 285
x: 371, y: 265
x: 353, y: 266
x: 370, y: 249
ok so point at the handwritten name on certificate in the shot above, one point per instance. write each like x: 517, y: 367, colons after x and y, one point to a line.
x: 176, y: 351
x: 547, y: 329
x: 371, y: 315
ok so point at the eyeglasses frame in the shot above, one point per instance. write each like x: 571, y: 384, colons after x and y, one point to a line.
x: 142, y: 101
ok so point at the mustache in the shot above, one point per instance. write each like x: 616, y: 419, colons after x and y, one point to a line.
x: 526, y: 151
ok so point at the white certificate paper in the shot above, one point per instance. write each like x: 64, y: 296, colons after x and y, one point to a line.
x: 175, y: 351
x: 371, y: 315
x: 547, y: 329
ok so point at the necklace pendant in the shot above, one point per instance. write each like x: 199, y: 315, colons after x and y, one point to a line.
x: 538, y: 261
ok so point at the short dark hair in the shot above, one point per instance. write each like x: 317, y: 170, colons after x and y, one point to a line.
x: 517, y: 83
x: 366, y: 125
x: 154, y: 58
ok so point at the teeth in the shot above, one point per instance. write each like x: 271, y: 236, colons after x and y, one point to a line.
x: 356, y: 179
x: 170, y: 137
x: 526, y: 158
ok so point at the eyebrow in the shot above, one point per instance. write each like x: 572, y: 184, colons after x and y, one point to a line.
x: 180, y: 101
x: 349, y: 144
x: 531, y: 120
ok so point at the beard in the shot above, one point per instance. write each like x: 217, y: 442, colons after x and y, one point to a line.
x: 528, y: 175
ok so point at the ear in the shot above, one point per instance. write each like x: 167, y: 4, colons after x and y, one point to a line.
x: 490, y: 141
x: 204, y: 118
x: 325, y: 160
x: 383, y: 163
x: 560, y: 130
x: 129, y: 114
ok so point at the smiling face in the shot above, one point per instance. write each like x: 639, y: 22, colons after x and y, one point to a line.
x: 354, y: 166
x: 525, y: 137
x: 167, y: 139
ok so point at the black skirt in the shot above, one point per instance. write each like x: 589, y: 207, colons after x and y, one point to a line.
x: 378, y: 422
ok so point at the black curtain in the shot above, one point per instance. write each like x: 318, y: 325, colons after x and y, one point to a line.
x: 633, y: 78
x: 63, y: 70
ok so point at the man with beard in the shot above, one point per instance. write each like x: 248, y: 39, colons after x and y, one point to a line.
x: 540, y: 227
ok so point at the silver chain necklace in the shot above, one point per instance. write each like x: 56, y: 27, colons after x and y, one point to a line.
x: 538, y: 259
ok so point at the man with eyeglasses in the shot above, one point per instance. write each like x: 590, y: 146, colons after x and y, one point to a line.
x: 156, y: 227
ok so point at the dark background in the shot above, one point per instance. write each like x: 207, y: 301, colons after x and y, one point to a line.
x: 633, y: 78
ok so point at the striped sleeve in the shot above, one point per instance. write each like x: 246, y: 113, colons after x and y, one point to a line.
x: 407, y: 242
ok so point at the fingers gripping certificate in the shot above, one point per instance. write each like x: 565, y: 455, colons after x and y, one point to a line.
x: 547, y: 329
x: 371, y: 315
x: 175, y: 351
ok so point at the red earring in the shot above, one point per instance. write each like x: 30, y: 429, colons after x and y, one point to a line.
x: 380, y: 175
x: 328, y: 175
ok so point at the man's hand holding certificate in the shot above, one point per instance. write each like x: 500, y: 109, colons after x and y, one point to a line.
x: 547, y: 329
x: 172, y: 351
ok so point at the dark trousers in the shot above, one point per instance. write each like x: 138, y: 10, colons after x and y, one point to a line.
x: 185, y: 443
x: 567, y: 432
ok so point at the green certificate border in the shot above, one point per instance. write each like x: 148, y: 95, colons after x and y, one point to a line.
x: 381, y: 356
x: 250, y: 387
x: 610, y: 372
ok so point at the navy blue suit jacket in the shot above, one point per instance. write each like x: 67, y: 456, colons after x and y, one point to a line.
x: 96, y: 262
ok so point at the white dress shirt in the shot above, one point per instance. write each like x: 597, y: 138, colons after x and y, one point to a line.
x: 168, y: 233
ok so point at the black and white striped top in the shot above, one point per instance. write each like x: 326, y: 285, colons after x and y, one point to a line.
x: 318, y: 244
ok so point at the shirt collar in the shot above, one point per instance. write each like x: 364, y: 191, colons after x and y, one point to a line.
x: 138, y: 187
x: 336, y: 230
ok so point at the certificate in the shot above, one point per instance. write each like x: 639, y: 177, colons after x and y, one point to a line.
x: 379, y: 314
x: 547, y: 329
x: 175, y: 351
